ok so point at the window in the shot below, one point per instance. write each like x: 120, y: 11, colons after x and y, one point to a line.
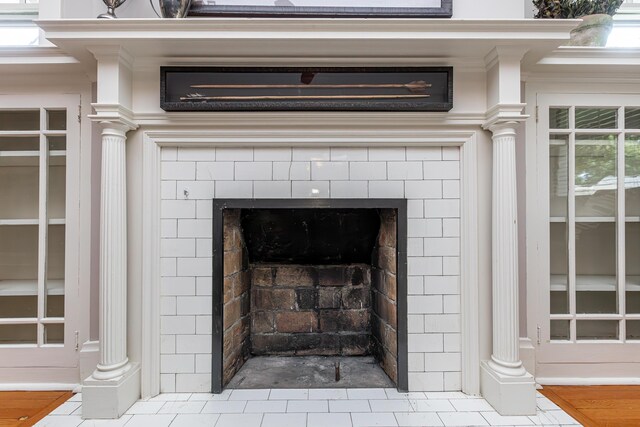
x: 594, y: 188
x: 16, y: 22
x: 33, y: 144
x: 626, y: 30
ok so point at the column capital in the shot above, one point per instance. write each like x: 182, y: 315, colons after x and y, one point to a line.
x: 113, y: 117
x: 504, y: 116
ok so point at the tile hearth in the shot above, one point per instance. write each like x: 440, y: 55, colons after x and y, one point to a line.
x: 310, y: 408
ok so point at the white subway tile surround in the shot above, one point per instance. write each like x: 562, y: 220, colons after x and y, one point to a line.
x: 427, y: 176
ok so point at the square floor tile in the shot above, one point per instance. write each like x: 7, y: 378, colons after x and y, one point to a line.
x: 561, y: 417
x: 446, y: 395
x: 209, y: 396
x: 328, y: 393
x: 145, y: 408
x: 195, y: 420
x: 329, y: 420
x: 433, y: 405
x: 60, y: 421
x: 168, y: 397
x: 224, y: 407
x: 150, y: 420
x: 75, y: 398
x: 307, y: 406
x: 462, y: 419
x: 107, y: 423
x: 182, y: 407
x: 67, y: 408
x: 392, y: 393
x: 545, y: 404
x: 366, y: 393
x: 265, y: 406
x: 378, y: 419
x: 289, y: 394
x: 495, y: 419
x: 391, y: 406
x: 239, y: 420
x: 284, y: 420
x: 249, y: 395
x: 471, y: 405
x: 408, y: 419
x: 349, y: 406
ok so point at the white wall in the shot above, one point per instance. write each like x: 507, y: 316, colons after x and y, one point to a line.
x: 464, y: 9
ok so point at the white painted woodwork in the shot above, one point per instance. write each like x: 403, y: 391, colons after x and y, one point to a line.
x: 113, y: 255
x: 505, y: 358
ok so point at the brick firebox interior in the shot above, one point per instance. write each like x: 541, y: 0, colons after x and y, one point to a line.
x: 335, y: 297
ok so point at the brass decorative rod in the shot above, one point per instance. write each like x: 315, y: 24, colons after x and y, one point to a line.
x: 413, y: 86
x: 281, y: 97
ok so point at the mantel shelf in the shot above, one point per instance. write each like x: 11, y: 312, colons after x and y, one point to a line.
x: 299, y: 38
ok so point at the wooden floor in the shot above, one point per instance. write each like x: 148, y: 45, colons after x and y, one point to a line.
x: 25, y: 408
x: 598, y: 406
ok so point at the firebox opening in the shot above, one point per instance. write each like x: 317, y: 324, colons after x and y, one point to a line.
x: 306, y: 290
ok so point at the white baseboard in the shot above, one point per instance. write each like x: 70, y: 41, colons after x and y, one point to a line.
x: 38, y: 387
x: 589, y: 381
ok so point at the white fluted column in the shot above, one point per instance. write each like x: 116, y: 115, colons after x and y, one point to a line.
x: 506, y: 343
x: 508, y: 387
x: 113, y: 255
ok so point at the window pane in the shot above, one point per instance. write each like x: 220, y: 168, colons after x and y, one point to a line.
x: 632, y: 175
x: 11, y: 143
x: 55, y: 271
x: 632, y: 240
x: 57, y: 182
x: 596, y: 118
x: 18, y: 334
x: 19, y: 183
x: 597, y: 329
x: 633, y: 329
x: 559, y: 270
x: 54, y: 334
x: 596, y: 175
x: 558, y: 174
x: 596, y: 286
x: 558, y: 118
x: 57, y: 143
x: 632, y: 118
x: 560, y: 330
x: 57, y: 120
x: 20, y: 120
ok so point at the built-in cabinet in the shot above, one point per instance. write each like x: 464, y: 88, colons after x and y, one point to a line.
x: 589, y: 198
x: 39, y: 147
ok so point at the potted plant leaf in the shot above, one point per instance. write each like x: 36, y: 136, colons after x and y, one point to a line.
x: 596, y: 15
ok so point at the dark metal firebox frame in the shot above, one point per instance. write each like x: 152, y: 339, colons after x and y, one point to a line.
x: 220, y: 205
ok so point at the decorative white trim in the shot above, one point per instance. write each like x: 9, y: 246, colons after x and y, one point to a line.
x: 38, y: 387
x: 151, y: 269
x: 589, y: 381
x: 284, y: 132
x: 470, y: 295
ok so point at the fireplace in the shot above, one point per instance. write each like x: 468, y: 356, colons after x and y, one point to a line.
x: 310, y: 285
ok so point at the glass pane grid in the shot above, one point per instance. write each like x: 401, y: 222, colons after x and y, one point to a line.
x: 32, y: 145
x: 594, y: 310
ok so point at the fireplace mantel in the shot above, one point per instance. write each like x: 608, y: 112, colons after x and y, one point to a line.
x: 229, y: 39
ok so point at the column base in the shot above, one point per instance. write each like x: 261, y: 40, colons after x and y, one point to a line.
x: 507, y: 394
x: 109, y: 399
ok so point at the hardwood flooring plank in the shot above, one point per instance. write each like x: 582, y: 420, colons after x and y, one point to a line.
x: 46, y: 410
x: 598, y: 406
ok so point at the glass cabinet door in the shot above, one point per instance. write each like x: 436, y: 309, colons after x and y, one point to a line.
x: 33, y: 216
x: 594, y: 223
